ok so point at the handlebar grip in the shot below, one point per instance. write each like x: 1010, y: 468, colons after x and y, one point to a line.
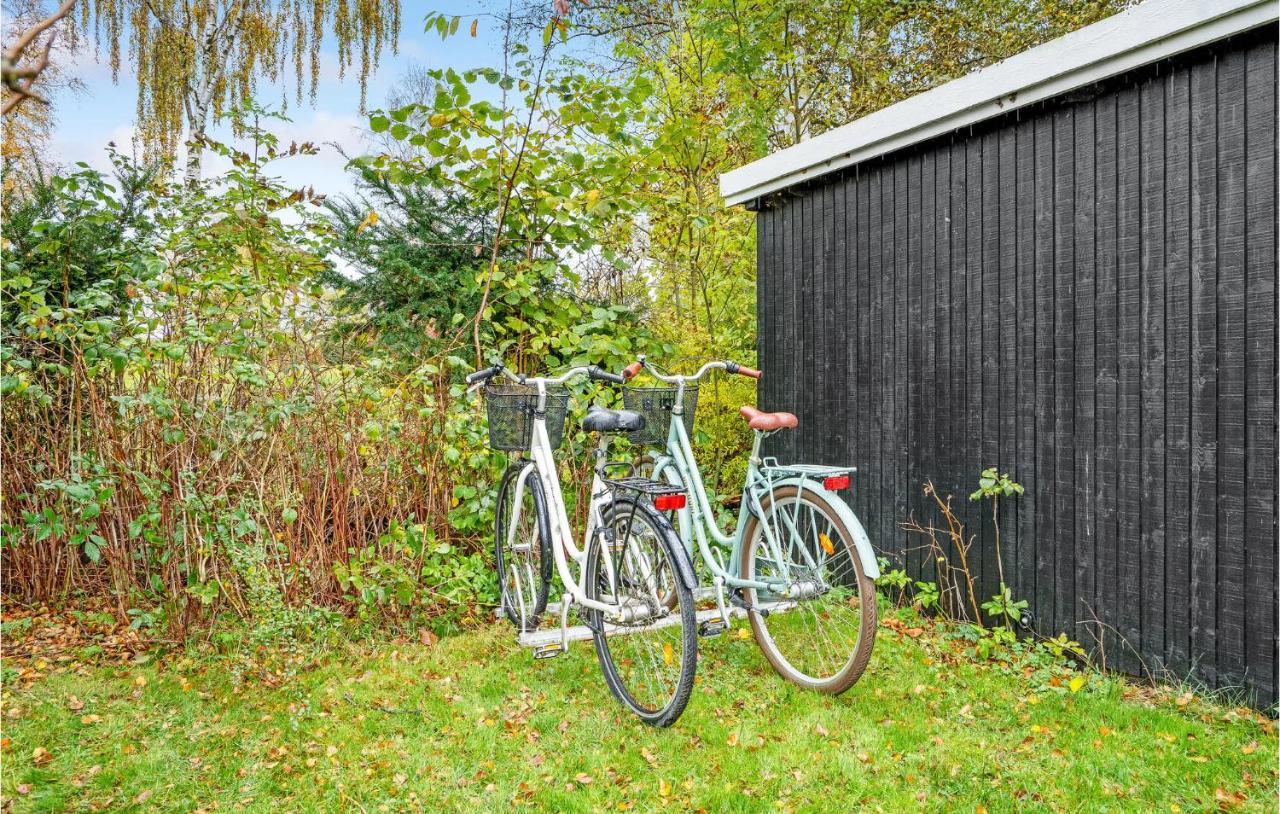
x: 483, y: 375
x: 632, y: 370
x: 604, y: 375
x: 742, y: 370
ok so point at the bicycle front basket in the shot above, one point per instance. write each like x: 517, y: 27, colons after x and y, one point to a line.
x: 511, y: 407
x: 655, y: 404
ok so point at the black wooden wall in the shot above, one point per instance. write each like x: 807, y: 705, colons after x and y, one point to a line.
x: 1083, y: 293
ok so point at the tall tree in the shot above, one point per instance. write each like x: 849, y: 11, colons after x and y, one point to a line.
x: 193, y: 58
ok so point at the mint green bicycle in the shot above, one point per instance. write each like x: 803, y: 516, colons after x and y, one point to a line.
x: 798, y: 564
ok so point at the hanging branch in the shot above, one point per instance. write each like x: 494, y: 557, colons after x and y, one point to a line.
x: 19, y: 79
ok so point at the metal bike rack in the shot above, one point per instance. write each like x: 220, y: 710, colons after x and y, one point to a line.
x: 536, y: 639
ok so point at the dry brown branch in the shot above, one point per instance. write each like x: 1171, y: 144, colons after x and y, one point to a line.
x: 954, y: 581
x: 17, y: 78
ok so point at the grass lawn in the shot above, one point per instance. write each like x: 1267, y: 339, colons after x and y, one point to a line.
x: 471, y: 723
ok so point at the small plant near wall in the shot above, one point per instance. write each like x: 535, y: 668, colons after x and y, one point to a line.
x: 952, y: 595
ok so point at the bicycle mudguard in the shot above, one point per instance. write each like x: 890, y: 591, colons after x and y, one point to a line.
x: 860, y: 539
x: 684, y: 566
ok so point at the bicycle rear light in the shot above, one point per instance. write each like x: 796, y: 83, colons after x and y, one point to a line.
x: 835, y: 483
x: 666, y: 503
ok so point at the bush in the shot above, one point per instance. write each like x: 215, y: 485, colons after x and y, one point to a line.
x: 195, y: 425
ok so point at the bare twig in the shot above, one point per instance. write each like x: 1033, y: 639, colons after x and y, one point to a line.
x: 18, y: 79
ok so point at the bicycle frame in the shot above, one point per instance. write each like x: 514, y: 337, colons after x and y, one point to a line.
x: 697, y: 522
x: 542, y: 464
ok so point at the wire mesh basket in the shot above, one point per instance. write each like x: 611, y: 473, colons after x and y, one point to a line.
x: 511, y: 407
x: 655, y: 404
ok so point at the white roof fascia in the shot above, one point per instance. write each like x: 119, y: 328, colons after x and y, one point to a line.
x: 1146, y: 33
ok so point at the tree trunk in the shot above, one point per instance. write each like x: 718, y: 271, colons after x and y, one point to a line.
x: 197, y: 123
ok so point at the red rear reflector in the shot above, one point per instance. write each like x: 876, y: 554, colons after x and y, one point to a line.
x: 836, y: 483
x: 668, y: 503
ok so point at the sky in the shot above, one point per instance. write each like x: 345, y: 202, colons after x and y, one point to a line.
x: 104, y: 111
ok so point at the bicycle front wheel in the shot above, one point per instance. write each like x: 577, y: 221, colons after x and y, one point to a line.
x: 649, y: 658
x: 821, y: 636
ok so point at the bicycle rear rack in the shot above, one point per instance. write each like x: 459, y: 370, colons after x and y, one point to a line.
x: 644, y: 486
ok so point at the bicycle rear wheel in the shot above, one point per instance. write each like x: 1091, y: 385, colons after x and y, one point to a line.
x: 823, y: 640
x: 521, y: 553
x: 648, y: 663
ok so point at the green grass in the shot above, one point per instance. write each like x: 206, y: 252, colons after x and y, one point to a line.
x: 472, y: 724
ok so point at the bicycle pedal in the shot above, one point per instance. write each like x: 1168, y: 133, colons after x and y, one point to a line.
x: 709, y: 628
x: 547, y: 651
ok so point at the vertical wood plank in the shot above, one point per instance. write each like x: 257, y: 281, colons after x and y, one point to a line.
x: 1153, y: 371
x: 973, y: 361
x: 1028, y: 472
x: 901, y: 331
x: 1231, y: 393
x: 914, y: 291
x: 1007, y: 346
x: 1106, y: 481
x: 1204, y: 368
x: 1064, y: 367
x: 927, y: 338
x: 1046, y: 537
x: 1177, y: 344
x: 1084, y: 327
x: 988, y: 452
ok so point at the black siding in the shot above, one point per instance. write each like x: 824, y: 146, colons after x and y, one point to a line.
x: 1083, y: 293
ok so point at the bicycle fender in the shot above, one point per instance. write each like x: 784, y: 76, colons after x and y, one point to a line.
x: 684, y: 566
x: 861, y: 541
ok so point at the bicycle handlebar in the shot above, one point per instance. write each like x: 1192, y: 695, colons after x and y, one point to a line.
x: 605, y: 376
x: 591, y: 371
x: 483, y: 375
x: 633, y: 369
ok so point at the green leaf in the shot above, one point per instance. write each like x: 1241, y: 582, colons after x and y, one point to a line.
x: 379, y: 124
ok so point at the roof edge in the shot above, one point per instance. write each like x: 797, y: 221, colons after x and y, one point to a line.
x: 1146, y: 33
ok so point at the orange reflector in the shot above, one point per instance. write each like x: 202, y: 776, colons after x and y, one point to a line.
x: 666, y: 503
x: 826, y: 544
x: 836, y: 483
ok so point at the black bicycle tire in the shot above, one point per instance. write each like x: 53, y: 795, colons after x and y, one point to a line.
x: 674, y: 550
x: 544, y: 532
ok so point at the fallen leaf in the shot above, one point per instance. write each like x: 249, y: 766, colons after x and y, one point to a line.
x: 583, y: 778
x: 733, y: 739
x: 74, y: 704
x: 142, y: 796
x: 23, y: 788
x: 664, y: 788
x: 1076, y: 683
x: 1249, y: 748
x: 41, y: 756
x: 743, y: 633
x: 821, y: 730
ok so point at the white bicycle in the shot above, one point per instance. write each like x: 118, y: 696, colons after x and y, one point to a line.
x: 634, y: 582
